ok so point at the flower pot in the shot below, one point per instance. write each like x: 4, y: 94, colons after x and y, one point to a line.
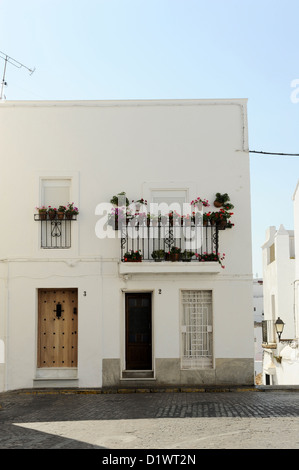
x: 222, y: 224
x: 52, y: 215
x: 174, y: 257
x: 68, y: 215
x: 42, y: 215
x: 218, y: 204
x: 60, y: 215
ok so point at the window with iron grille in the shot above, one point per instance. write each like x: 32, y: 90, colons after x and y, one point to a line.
x: 197, y: 329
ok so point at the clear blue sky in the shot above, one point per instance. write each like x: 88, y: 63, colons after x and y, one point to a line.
x: 164, y: 49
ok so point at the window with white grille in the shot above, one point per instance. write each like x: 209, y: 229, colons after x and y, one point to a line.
x: 197, y: 329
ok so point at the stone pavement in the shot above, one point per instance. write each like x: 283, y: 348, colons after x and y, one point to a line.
x: 257, y: 418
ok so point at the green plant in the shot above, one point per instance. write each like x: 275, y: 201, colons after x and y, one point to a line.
x: 133, y: 255
x: 71, y: 209
x: 187, y: 255
x: 175, y: 250
x: 119, y: 198
x: 158, y: 254
x: 222, y: 198
x: 228, y: 206
x: 211, y: 257
x: 206, y: 217
x: 198, y: 201
x: 61, y: 208
x: 141, y: 201
x: 52, y: 209
x: 41, y: 209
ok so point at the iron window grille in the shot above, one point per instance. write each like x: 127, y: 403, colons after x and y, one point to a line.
x: 197, y: 330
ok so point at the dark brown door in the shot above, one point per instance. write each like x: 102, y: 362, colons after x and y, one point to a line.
x: 57, y: 327
x: 139, y: 331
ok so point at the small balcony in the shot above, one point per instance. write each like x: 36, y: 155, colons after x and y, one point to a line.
x: 55, y: 232
x: 169, y: 247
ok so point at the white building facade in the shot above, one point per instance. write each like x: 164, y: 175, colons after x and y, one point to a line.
x: 74, y: 312
x: 280, y: 357
x: 258, y: 314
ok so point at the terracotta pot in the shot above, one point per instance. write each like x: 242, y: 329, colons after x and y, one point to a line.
x: 42, y: 215
x: 174, y: 256
x: 60, y: 215
x: 222, y: 224
x: 217, y: 204
x: 52, y: 215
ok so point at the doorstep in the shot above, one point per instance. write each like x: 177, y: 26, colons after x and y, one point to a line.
x: 55, y: 383
x: 56, y: 377
x: 137, y: 375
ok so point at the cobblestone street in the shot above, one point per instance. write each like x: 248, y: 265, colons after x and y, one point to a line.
x: 194, y: 420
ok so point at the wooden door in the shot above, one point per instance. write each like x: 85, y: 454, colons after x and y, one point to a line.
x: 138, y: 331
x: 57, y: 328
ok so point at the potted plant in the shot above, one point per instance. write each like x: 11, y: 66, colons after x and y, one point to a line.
x: 120, y: 197
x: 163, y: 219
x: 141, y: 217
x: 221, y: 199
x: 187, y: 255
x: 206, y: 218
x: 158, y: 255
x: 139, y: 203
x: 52, y: 211
x: 211, y: 257
x: 116, y: 218
x: 198, y: 202
x: 42, y: 212
x: 221, y: 218
x: 174, y: 253
x: 133, y: 256
x: 213, y: 218
x: 61, y: 211
x: 71, y: 210
x: 154, y: 219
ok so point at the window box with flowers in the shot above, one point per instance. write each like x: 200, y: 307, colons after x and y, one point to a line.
x: 211, y: 257
x: 133, y: 256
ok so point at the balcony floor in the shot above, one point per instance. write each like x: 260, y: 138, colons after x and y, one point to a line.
x: 169, y: 267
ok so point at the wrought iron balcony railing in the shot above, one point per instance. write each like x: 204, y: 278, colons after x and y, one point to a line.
x: 55, y: 233
x: 161, y: 242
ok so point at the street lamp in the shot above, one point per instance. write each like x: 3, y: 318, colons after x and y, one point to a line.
x: 279, y: 326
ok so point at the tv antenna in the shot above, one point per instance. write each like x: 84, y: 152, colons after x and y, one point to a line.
x: 10, y: 60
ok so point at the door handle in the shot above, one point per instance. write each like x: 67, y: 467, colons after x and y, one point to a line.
x: 58, y: 310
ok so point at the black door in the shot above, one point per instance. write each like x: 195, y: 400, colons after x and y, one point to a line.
x: 139, y: 331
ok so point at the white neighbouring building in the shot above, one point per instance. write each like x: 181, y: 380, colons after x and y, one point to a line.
x: 280, y: 270
x: 73, y: 313
x: 258, y: 313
